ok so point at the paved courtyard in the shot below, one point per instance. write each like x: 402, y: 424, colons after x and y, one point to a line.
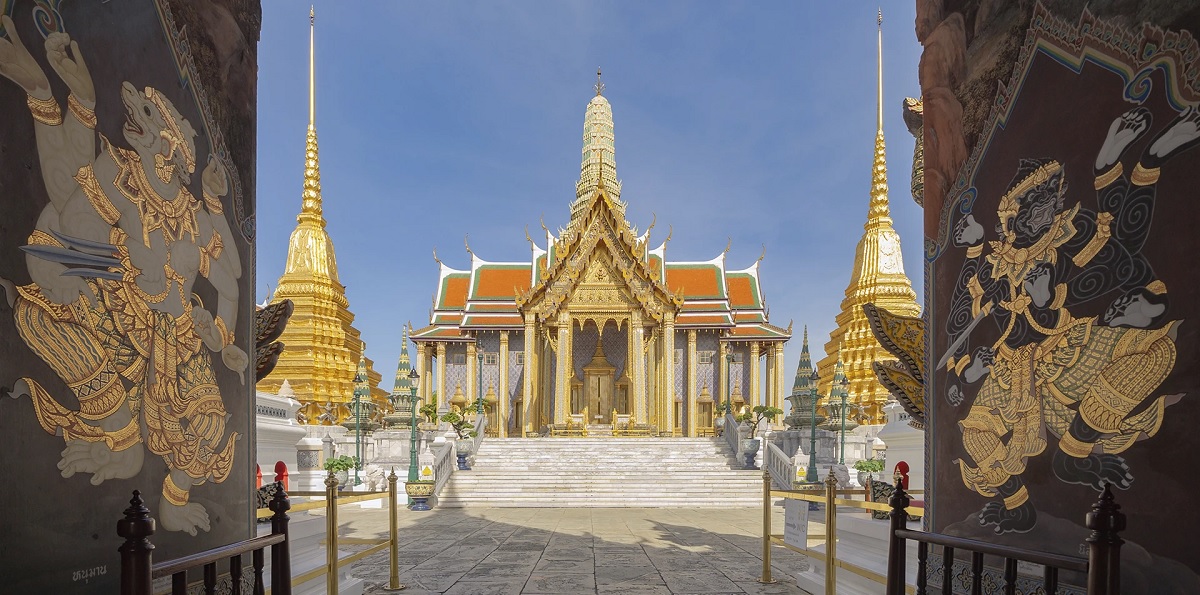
x: 581, y: 550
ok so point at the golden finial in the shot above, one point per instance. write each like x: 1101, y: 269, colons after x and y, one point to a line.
x: 879, y: 105
x: 728, y: 245
x: 763, y: 255
x: 670, y: 232
x: 312, y: 77
x: 542, y: 220
x: 653, y: 220
x: 435, y: 257
x: 466, y: 243
x: 599, y: 84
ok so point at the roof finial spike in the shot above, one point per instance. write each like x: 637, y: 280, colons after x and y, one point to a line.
x: 599, y: 83
x: 435, y: 257
x: 879, y: 102
x: 312, y: 76
x: 728, y: 245
x: 466, y: 242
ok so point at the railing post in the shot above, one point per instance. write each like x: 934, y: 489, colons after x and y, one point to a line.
x: 766, y: 538
x: 137, y: 551
x: 1104, y: 545
x: 331, y: 529
x: 393, y: 536
x: 281, y: 557
x: 896, y: 546
x: 830, y: 535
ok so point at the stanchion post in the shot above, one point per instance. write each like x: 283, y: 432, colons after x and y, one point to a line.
x: 1106, y: 522
x: 830, y: 535
x: 331, y: 529
x: 393, y: 537
x: 766, y: 538
x: 896, y: 545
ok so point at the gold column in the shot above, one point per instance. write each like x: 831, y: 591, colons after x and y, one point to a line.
x: 529, y: 371
x: 755, y: 396
x: 638, y: 339
x: 780, y: 376
x: 502, y: 396
x: 723, y: 367
x: 769, y: 397
x: 422, y: 367
x: 691, y: 383
x: 473, y: 373
x: 562, y: 376
x: 442, y: 398
x: 669, y: 371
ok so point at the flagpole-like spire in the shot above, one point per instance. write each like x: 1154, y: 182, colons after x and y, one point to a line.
x: 312, y: 74
x: 310, y: 208
x: 879, y: 103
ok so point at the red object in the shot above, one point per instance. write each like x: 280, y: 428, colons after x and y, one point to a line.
x: 901, y: 469
x: 257, y: 476
x: 281, y: 473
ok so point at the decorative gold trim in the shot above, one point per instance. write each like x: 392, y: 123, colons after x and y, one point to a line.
x: 1016, y: 499
x: 1143, y: 176
x: 1103, y: 232
x: 174, y: 494
x: 86, y: 178
x: 125, y: 437
x: 974, y: 251
x: 1072, y: 446
x: 226, y: 335
x: 1157, y: 287
x: 46, y: 111
x: 212, y: 202
x: 1060, y: 296
x: 1109, y: 176
x: 85, y: 115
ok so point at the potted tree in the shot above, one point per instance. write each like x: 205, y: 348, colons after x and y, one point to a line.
x: 341, y: 466
x: 430, y: 413
x: 464, y: 430
x: 865, y: 468
x: 753, y: 419
x: 719, y: 411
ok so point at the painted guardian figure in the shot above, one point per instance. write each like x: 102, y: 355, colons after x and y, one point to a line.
x: 1084, y: 385
x: 113, y: 259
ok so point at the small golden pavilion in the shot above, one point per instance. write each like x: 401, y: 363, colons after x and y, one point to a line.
x: 599, y: 323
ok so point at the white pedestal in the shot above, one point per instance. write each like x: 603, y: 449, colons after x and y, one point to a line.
x: 904, y: 443
x: 863, y: 542
x: 278, y: 432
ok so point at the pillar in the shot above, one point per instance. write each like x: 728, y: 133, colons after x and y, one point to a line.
x: 722, y: 380
x: 422, y: 370
x: 503, y: 399
x: 691, y: 383
x: 442, y: 397
x: 754, y: 396
x: 769, y: 397
x: 781, y: 386
x: 669, y: 371
x: 562, y: 375
x: 473, y: 373
x: 638, y: 338
x: 530, y: 371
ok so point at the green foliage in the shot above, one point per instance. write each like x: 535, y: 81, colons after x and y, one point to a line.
x: 429, y: 412
x: 461, y: 426
x: 342, y: 463
x: 724, y: 408
x: 869, y: 465
x: 755, y: 416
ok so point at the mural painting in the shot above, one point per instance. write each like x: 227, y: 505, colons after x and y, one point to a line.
x: 1064, y: 314
x: 125, y: 267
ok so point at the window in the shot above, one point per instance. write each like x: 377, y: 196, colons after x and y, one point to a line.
x: 491, y: 359
x: 737, y: 358
x: 706, y: 357
x: 678, y: 356
x: 520, y: 358
x: 457, y: 359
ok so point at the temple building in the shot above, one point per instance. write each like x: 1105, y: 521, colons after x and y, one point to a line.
x: 597, y: 327
x: 878, y: 277
x: 322, y: 348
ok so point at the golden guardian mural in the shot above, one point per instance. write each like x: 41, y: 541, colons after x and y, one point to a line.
x: 1062, y: 301
x: 128, y: 285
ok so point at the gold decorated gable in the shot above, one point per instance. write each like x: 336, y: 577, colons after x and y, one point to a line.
x: 904, y: 338
x: 599, y: 268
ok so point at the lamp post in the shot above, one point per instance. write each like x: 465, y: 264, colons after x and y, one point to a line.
x: 414, y: 379
x: 811, y: 475
x: 844, y: 384
x: 728, y: 383
x: 360, y: 387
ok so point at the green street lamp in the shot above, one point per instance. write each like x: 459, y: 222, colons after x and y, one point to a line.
x: 728, y: 382
x: 811, y: 475
x: 360, y: 390
x: 844, y: 384
x: 414, y: 379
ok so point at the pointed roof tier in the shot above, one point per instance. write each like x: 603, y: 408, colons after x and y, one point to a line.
x: 321, y: 346
x: 496, y: 295
x: 402, y: 385
x: 878, y: 277
x: 804, y: 370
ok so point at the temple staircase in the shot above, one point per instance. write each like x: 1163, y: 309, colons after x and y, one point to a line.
x: 603, y: 473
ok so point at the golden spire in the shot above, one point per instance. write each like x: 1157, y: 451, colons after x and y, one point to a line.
x: 598, y: 168
x: 310, y: 207
x: 878, y: 277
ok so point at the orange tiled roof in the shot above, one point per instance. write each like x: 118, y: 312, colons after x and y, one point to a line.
x: 478, y: 320
x: 743, y: 291
x: 434, y: 332
x: 697, y: 281
x: 477, y: 307
x: 454, y: 291
x: 703, y: 319
x: 759, y: 331
x: 498, y: 282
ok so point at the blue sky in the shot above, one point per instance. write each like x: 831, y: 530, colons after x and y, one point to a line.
x: 746, y: 120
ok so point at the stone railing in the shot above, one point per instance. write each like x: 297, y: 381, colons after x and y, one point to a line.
x: 730, y: 432
x: 443, y: 465
x: 480, y: 428
x: 782, y: 470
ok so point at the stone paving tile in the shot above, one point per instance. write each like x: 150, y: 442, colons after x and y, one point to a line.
x: 498, y: 573
x: 546, y: 565
x: 699, y: 582
x: 556, y: 582
x: 617, y: 575
x: 500, y: 588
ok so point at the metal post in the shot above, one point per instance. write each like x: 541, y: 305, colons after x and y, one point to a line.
x: 331, y: 529
x: 842, y: 454
x: 357, y: 435
x: 136, y: 553
x: 479, y: 387
x: 830, y: 536
x: 393, y: 537
x: 811, y: 475
x: 1104, y: 545
x: 896, y: 547
x: 281, y: 558
x: 766, y: 538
